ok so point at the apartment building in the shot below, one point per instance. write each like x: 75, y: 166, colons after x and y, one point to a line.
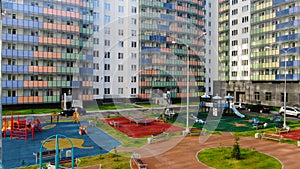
x: 259, y: 51
x: 46, y: 51
x: 147, y: 47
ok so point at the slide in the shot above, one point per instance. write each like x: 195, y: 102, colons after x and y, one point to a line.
x: 237, y: 112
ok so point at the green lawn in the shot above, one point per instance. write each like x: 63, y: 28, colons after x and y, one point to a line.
x: 220, y: 158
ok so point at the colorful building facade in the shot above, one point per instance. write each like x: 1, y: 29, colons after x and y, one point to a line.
x: 47, y: 50
x: 171, y: 48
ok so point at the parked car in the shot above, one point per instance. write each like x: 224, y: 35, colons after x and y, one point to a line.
x: 259, y: 108
x: 292, y: 111
x: 69, y: 112
x: 240, y: 106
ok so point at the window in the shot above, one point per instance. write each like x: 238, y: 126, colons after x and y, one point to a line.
x: 106, y: 54
x: 96, y: 28
x: 244, y: 62
x: 234, y: 12
x: 120, y: 78
x: 106, y: 19
x: 107, y: 7
x: 234, y: 43
x: 256, y: 96
x: 120, y: 67
x: 106, y: 78
x: 133, y: 90
x: 234, y: 63
x: 234, y: 22
x: 120, y: 44
x: 106, y: 66
x: 106, y: 30
x: 120, y: 32
x: 282, y: 97
x: 268, y: 96
x: 245, y: 8
x: 120, y: 55
x: 96, y: 53
x: 133, y: 67
x: 11, y: 46
x: 133, y: 9
x: 133, y: 79
x: 120, y: 90
x: 120, y: 21
x: 245, y: 41
x: 234, y: 74
x: 133, y: 56
x: 11, y: 93
x: 234, y: 2
x: 245, y: 19
x: 133, y: 44
x: 245, y: 30
x: 234, y: 53
x: 106, y: 42
x: 133, y: 32
x: 106, y: 90
x: 12, y: 31
x: 244, y: 73
x: 244, y: 51
x: 11, y: 62
x: 96, y: 91
x: 121, y: 9
x: 133, y: 21
x: 234, y: 32
x: 96, y: 40
x: 11, y: 77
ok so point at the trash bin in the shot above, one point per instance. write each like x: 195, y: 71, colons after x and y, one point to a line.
x: 149, y: 140
x: 256, y: 135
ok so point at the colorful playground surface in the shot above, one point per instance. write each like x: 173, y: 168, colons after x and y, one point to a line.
x: 138, y: 127
x: 17, y: 152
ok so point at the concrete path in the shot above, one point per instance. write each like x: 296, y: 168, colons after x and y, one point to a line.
x: 181, y: 152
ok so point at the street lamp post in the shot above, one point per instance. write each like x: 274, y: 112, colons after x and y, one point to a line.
x: 284, y: 125
x: 187, y: 129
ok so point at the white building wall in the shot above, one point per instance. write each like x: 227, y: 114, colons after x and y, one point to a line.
x: 211, y: 45
x: 117, y: 20
x: 241, y: 62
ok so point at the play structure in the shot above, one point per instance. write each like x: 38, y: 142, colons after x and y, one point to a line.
x: 20, y: 128
x: 83, y: 130
x: 226, y: 105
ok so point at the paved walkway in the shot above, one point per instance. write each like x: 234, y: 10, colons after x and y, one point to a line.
x: 181, y: 152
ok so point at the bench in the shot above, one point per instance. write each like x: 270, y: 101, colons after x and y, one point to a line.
x: 158, y: 137
x: 136, y: 160
x: 63, y: 160
x: 282, y: 130
x: 272, y: 136
x: 260, y: 125
x: 46, y: 154
x: 194, y: 131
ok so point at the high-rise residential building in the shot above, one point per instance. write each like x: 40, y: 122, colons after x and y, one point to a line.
x: 47, y: 50
x: 211, y: 46
x: 149, y: 48
x: 259, y: 51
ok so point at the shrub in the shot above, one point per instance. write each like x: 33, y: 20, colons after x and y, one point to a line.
x: 236, y: 152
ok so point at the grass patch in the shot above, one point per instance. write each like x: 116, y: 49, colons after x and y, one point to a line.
x: 31, y: 111
x: 220, y: 158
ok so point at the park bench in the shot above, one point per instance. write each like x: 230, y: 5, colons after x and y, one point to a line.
x: 46, y: 154
x: 194, y: 131
x: 272, y: 136
x: 63, y: 160
x: 282, y: 130
x: 136, y: 160
x: 158, y: 137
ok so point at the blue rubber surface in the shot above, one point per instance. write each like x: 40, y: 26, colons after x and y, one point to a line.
x: 17, y: 153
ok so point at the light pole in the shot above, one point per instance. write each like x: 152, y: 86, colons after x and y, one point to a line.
x: 284, y: 125
x: 187, y: 129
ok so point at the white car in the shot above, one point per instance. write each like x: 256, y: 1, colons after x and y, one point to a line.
x: 293, y: 111
x: 240, y: 106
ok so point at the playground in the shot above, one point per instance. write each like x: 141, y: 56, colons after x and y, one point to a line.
x: 19, y: 152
